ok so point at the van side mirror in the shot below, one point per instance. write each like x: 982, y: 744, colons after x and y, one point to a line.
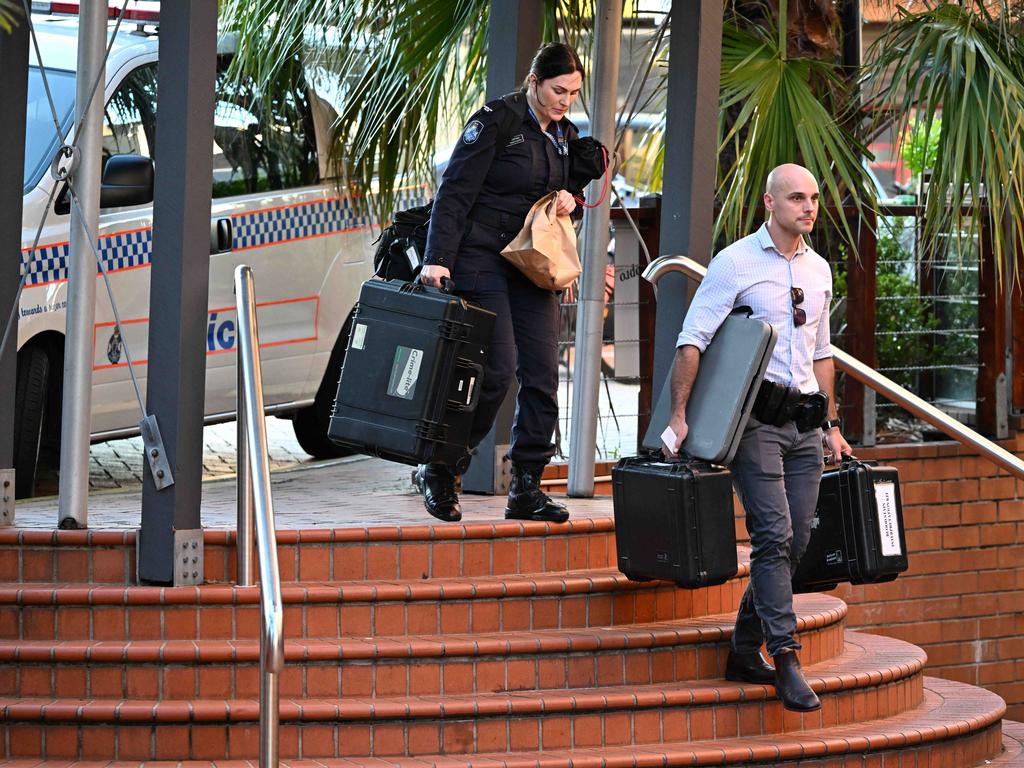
x: 127, y: 180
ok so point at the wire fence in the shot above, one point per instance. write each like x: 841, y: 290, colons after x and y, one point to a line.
x: 926, y: 320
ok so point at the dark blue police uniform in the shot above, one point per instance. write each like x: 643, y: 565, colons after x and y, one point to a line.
x: 485, y: 193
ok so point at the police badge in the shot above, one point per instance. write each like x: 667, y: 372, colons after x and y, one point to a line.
x: 472, y: 132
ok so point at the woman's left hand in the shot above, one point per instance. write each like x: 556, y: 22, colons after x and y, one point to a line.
x: 564, y: 203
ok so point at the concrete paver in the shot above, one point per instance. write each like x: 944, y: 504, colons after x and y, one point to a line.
x: 355, y: 491
x: 310, y: 493
x: 119, y: 463
x: 307, y: 493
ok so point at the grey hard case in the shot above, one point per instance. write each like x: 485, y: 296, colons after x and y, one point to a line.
x: 730, y: 372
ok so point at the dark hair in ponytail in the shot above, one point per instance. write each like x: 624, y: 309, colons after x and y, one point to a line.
x: 553, y: 60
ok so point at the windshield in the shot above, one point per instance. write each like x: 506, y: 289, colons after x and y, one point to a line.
x: 40, y: 141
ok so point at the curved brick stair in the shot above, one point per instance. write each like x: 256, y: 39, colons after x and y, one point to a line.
x: 476, y: 644
x: 1013, y: 746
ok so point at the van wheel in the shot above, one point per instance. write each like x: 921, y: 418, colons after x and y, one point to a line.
x: 33, y: 379
x: 310, y: 423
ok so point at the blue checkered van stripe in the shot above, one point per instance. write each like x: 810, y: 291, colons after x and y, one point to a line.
x: 321, y: 217
x: 251, y: 229
x: 120, y: 251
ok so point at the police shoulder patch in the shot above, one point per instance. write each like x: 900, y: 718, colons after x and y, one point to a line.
x: 472, y: 132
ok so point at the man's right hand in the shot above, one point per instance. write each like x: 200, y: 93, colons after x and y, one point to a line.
x: 432, y: 275
x: 678, y: 425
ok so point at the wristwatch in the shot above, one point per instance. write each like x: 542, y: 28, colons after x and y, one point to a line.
x: 827, y: 425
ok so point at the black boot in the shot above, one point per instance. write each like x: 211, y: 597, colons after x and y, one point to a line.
x: 790, y: 685
x: 437, y: 484
x: 749, y: 667
x: 526, y: 501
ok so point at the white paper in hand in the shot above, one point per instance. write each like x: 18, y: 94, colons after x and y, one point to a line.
x: 668, y: 439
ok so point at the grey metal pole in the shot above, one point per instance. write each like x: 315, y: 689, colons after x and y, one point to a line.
x: 691, y: 162
x: 73, y: 508
x: 179, y: 287
x: 13, y: 94
x: 586, y: 376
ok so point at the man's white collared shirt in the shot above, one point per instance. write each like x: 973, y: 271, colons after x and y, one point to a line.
x: 752, y: 272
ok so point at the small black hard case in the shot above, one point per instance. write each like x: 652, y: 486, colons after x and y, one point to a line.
x: 412, y: 373
x: 674, y: 521
x: 857, y: 531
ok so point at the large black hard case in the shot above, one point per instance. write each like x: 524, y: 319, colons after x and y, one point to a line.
x: 857, y: 531
x: 674, y: 521
x: 412, y: 373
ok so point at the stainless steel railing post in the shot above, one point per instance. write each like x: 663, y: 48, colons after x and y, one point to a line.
x: 258, y: 473
x: 244, y: 546
x: 869, y: 377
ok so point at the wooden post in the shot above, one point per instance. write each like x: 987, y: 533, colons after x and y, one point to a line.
x: 1017, y: 331
x: 926, y: 289
x: 651, y: 233
x: 1015, y: 296
x: 860, y: 324
x: 991, y: 390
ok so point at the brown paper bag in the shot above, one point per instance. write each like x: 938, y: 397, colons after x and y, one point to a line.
x: 545, y: 248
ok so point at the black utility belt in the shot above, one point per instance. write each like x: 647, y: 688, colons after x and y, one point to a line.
x: 777, y: 404
x: 496, y: 219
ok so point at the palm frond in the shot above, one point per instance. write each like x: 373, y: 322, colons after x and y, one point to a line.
x: 271, y: 33
x: 966, y: 66
x: 398, y: 69
x: 10, y: 14
x: 775, y: 109
x: 414, y: 66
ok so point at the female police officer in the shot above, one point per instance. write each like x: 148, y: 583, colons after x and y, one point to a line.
x: 483, y: 199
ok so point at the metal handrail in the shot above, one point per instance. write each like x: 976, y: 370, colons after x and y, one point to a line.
x: 869, y: 378
x: 255, y: 502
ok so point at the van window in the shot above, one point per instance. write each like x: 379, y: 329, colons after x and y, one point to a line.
x: 260, y: 142
x: 129, y: 121
x: 41, y: 140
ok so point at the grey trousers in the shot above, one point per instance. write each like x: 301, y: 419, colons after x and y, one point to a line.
x: 776, y: 473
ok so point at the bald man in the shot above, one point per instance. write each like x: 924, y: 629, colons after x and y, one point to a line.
x: 777, y: 467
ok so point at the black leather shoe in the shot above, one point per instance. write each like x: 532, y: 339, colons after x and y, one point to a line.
x: 526, y: 501
x: 749, y: 668
x: 437, y: 484
x: 790, y: 685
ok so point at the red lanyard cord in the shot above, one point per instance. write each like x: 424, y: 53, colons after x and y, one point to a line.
x: 604, y: 190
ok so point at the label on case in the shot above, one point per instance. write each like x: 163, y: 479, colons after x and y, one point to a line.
x: 359, y: 336
x: 888, y: 521
x: 405, y: 370
x: 413, y: 257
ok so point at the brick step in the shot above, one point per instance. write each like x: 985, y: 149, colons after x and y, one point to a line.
x: 383, y: 553
x: 571, y: 599
x: 1012, y: 755
x: 643, y: 653
x: 875, y: 677
x: 954, y: 724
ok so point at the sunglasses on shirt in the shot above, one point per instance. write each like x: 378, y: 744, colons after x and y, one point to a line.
x: 797, y: 296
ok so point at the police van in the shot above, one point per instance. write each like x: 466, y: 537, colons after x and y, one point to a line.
x: 275, y: 207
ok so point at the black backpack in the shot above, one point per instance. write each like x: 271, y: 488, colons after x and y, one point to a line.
x: 402, y: 245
